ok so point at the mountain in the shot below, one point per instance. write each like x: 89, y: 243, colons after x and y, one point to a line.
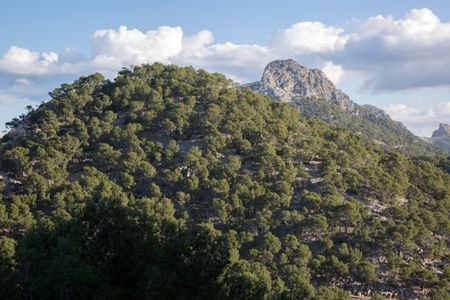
x: 441, y: 136
x: 175, y: 183
x: 442, y: 131
x: 287, y: 79
x: 316, y: 96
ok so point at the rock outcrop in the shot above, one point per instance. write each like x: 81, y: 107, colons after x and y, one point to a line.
x: 442, y: 131
x: 441, y: 136
x: 287, y: 79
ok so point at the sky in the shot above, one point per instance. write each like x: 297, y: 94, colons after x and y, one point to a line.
x: 391, y: 54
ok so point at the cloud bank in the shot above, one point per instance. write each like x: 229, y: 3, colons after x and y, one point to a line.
x: 423, y: 122
x: 389, y: 54
x: 392, y: 54
x: 411, y: 52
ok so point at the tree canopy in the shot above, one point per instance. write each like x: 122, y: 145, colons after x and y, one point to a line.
x: 174, y: 183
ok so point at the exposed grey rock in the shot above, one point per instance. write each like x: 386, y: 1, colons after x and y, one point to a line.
x: 441, y: 136
x: 287, y: 79
x: 443, y: 130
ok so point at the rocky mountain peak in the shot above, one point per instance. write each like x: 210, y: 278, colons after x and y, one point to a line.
x: 287, y: 79
x: 442, y: 131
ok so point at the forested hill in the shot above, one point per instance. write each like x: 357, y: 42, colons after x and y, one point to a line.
x: 173, y: 183
x: 315, y: 96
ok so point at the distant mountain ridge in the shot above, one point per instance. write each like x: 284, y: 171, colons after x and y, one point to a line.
x: 316, y: 96
x: 443, y: 130
x: 441, y: 136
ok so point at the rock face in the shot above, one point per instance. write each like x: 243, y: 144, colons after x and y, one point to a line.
x: 287, y: 79
x: 441, y: 136
x: 442, y: 131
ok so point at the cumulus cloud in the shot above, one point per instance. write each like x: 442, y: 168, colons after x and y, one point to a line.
x: 116, y: 48
x: 391, y: 54
x: 333, y: 71
x: 423, y: 122
x: 420, y: 28
x: 409, y: 114
x: 308, y: 37
x: 196, y: 45
x: 113, y: 49
x: 23, y: 61
x: 241, y: 62
x: 410, y: 52
x: 27, y: 75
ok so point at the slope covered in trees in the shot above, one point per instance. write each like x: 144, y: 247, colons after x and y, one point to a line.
x: 173, y: 183
x: 371, y: 123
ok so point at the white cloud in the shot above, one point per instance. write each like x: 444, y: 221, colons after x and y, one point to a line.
x: 23, y: 61
x: 333, y: 71
x: 131, y: 46
x: 242, y: 62
x: 308, y: 37
x: 390, y: 53
x: 113, y: 49
x: 196, y: 45
x: 400, y: 54
x: 409, y: 114
x: 419, y: 28
x: 423, y: 122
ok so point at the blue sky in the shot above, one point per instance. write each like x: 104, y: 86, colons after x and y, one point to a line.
x: 392, y: 54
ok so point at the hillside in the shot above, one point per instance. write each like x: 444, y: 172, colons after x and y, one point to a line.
x: 174, y: 183
x: 317, y: 97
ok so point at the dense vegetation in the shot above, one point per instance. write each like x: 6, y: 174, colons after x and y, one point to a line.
x: 172, y: 183
x: 371, y: 123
